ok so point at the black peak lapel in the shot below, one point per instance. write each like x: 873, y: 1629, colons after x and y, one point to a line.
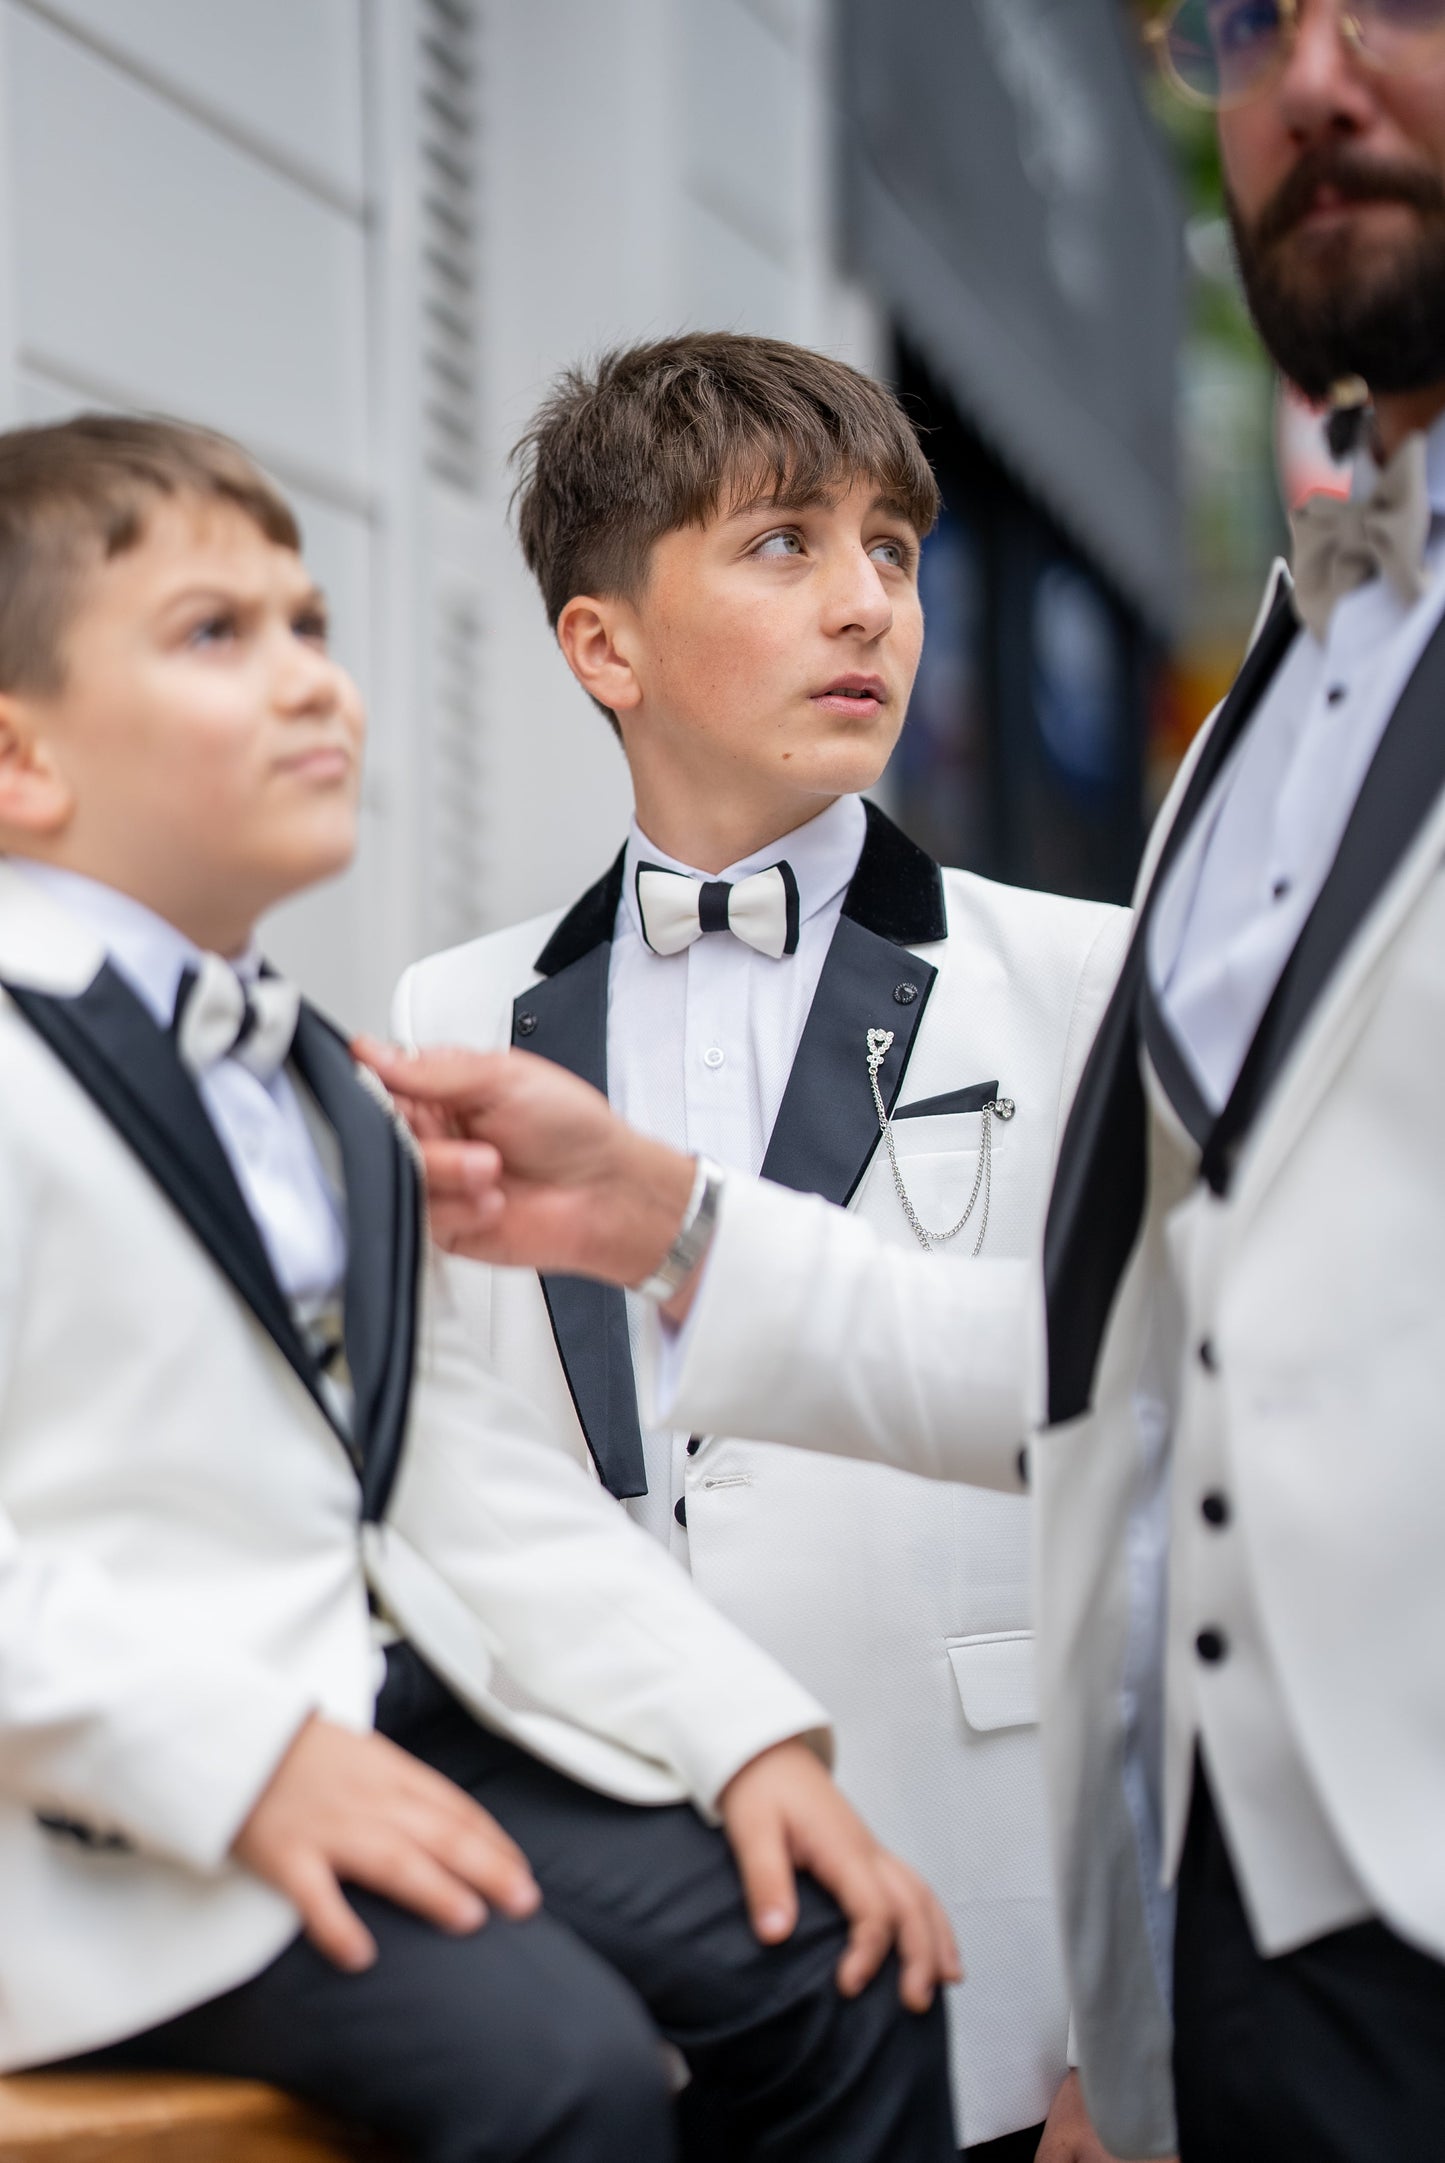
x: 586, y: 925
x: 1400, y: 791
x: 129, y: 1067
x: 384, y: 1251
x: 564, y: 1018
x: 827, y: 1124
x: 1098, y: 1198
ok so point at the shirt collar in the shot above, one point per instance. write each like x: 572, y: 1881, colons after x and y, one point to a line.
x: 823, y: 855
x: 149, y: 952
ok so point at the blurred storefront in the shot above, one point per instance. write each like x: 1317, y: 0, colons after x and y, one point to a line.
x: 1009, y: 203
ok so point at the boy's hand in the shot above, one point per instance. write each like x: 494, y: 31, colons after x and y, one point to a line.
x: 343, y: 1807
x: 527, y: 1165
x: 783, y: 1813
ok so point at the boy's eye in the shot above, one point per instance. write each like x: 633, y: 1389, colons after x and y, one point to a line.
x: 312, y: 625
x: 212, y: 630
x: 896, y: 554
x: 780, y: 544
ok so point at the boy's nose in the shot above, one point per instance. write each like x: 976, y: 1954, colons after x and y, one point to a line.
x: 858, y: 600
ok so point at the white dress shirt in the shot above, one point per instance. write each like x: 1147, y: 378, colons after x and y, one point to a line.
x: 1252, y: 867
x: 1228, y: 917
x: 700, y: 1046
x: 260, y: 1125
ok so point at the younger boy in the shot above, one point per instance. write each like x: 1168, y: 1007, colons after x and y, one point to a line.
x: 726, y: 534
x: 226, y: 1430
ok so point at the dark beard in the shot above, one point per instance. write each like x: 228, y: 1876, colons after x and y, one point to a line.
x: 1384, y: 320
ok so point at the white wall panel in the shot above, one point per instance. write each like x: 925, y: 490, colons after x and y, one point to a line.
x: 284, y: 73
x: 745, y: 96
x: 155, y: 259
x: 728, y: 283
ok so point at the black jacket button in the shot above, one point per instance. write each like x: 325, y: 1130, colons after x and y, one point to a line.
x: 1211, y: 1646
x: 905, y: 994
x: 679, y: 1511
x: 526, y: 1023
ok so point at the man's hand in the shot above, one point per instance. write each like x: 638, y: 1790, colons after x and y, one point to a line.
x: 1069, y: 2135
x: 529, y: 1166
x: 343, y: 1807
x: 782, y: 1813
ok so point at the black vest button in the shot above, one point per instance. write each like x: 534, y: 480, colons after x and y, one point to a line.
x: 905, y: 994
x: 1214, y: 1509
x: 679, y: 1511
x: 1208, y: 1357
x: 1212, y: 1646
x: 526, y: 1023
x: 694, y: 1444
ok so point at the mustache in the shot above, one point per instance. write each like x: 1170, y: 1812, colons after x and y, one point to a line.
x: 1353, y: 180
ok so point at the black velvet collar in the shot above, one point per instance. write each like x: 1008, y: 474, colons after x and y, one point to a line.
x: 896, y: 891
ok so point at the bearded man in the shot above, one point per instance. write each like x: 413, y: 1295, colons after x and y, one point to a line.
x: 1235, y: 1375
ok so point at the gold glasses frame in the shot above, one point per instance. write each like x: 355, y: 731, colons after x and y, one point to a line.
x: 1157, y: 32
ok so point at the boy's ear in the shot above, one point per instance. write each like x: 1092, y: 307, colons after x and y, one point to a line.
x: 598, y: 640
x: 36, y: 800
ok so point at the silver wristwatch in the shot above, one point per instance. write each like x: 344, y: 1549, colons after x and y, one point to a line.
x: 694, y: 1235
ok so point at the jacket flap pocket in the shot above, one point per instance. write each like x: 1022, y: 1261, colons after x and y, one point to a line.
x: 995, y: 1678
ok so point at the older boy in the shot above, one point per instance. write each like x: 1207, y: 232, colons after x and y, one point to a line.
x: 726, y: 533
x: 211, y: 1461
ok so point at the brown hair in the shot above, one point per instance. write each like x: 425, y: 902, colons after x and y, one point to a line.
x: 655, y: 436
x: 77, y: 493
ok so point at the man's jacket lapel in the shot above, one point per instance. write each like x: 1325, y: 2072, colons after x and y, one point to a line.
x: 827, y: 1125
x: 384, y: 1226
x: 129, y: 1066
x: 1400, y: 792
x: 564, y: 1018
x: 1097, y: 1204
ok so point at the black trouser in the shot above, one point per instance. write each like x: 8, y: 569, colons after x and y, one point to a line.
x: 1331, y: 2054
x: 1019, y: 2147
x: 533, y: 2040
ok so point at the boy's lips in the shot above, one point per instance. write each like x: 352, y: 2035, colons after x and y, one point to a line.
x: 857, y: 695
x: 319, y: 763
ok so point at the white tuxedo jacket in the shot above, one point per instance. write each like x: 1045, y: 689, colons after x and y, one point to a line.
x: 906, y: 1608
x: 1314, y: 1272
x: 187, y: 1541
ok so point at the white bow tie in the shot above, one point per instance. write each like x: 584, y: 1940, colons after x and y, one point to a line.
x: 218, y: 1017
x: 1340, y: 542
x: 761, y: 911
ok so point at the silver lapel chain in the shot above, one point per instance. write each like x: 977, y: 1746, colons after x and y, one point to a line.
x: 879, y: 1044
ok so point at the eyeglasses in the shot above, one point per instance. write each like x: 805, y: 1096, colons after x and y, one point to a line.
x: 1222, y: 53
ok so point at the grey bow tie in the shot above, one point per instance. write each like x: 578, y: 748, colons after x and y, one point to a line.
x: 218, y: 1017
x: 1338, y: 544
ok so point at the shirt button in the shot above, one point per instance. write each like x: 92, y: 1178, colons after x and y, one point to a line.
x: 1335, y: 693
x: 714, y: 1056
x: 1215, y: 1510
x: 1212, y: 1646
x: 1280, y: 888
x: 679, y: 1511
x: 1208, y: 1357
